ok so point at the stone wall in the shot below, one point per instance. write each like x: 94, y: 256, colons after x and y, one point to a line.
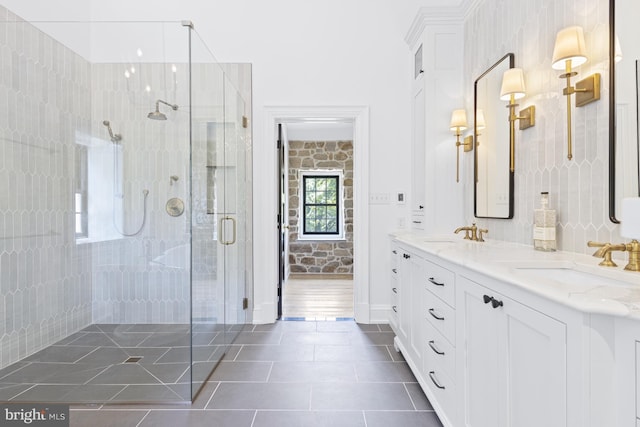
x: 321, y: 256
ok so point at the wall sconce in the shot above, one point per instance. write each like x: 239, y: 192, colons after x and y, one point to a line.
x: 513, y: 88
x: 569, y: 52
x: 458, y: 124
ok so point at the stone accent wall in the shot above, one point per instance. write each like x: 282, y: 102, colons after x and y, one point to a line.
x: 322, y: 256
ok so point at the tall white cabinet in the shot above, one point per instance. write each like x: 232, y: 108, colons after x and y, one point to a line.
x: 436, y: 44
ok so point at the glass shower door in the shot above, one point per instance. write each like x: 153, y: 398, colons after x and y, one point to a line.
x: 219, y: 212
x: 234, y: 219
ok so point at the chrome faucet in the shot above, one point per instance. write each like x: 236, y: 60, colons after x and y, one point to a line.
x: 605, y: 250
x: 471, y: 233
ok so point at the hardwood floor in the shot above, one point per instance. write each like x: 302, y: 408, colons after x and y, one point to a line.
x: 317, y: 299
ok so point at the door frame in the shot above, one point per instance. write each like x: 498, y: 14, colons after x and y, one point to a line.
x: 359, y: 115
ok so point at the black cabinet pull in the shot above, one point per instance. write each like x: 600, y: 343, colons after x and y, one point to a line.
x: 394, y: 308
x: 421, y: 206
x: 487, y: 299
x: 496, y: 303
x: 395, y: 290
x: 406, y: 256
x: 435, y: 316
x: 394, y: 252
x: 432, y: 375
x: 435, y: 349
x: 394, y: 270
x: 433, y: 280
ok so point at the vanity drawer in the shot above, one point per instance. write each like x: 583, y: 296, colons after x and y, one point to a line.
x: 439, y: 352
x: 394, y: 301
x: 440, y: 315
x: 443, y: 389
x: 440, y: 281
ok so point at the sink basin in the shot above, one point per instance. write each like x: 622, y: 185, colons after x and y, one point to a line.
x: 574, y: 274
x: 438, y: 240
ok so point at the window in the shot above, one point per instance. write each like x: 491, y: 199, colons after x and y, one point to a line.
x: 321, y: 208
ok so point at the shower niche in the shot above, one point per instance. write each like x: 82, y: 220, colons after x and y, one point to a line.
x: 132, y: 304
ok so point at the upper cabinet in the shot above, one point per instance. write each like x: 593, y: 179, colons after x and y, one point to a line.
x: 436, y: 49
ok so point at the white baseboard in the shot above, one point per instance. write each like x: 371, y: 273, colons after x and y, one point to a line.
x: 379, y: 313
x: 264, y: 314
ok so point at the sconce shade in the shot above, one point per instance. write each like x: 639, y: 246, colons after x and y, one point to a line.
x: 480, y: 122
x: 512, y: 84
x: 458, y: 120
x: 569, y: 46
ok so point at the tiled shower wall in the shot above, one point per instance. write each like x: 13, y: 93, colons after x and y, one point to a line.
x: 143, y: 278
x: 45, y: 278
x: 578, y: 187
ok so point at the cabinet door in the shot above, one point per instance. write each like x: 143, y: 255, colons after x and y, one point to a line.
x: 513, y: 361
x: 418, y: 173
x: 534, y: 354
x: 404, y: 290
x: 478, y: 354
x: 416, y: 337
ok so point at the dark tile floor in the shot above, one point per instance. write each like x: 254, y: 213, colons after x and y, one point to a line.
x: 94, y: 365
x: 311, y: 374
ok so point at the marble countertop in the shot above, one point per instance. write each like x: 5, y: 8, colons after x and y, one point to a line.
x: 569, y: 278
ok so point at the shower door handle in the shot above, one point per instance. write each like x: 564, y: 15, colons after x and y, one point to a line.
x: 233, y: 223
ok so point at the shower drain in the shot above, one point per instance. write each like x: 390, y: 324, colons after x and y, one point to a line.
x: 133, y: 359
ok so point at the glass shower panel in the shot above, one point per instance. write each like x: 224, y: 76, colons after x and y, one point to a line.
x: 207, y: 166
x: 97, y: 139
x: 138, y: 216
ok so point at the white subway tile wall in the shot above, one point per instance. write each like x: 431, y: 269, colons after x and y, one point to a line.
x: 578, y: 188
x: 45, y: 276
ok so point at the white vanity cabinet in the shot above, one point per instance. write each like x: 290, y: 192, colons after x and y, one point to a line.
x: 492, y: 346
x: 512, y: 364
x: 409, y: 302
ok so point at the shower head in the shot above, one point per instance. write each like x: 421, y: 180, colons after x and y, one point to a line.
x: 115, y: 138
x: 157, y: 115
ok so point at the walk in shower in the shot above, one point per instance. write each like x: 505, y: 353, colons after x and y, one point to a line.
x: 125, y: 235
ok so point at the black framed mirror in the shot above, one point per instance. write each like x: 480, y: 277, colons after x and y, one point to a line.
x: 624, y: 105
x: 493, y: 187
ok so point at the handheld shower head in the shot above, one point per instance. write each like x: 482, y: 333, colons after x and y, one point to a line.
x: 157, y: 115
x: 115, y: 138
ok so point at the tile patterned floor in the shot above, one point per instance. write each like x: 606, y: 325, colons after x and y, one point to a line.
x: 91, y: 365
x: 298, y: 374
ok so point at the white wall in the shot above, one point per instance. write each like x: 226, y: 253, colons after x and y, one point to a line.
x: 307, y: 54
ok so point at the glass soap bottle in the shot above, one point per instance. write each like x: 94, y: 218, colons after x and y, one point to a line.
x: 544, y: 227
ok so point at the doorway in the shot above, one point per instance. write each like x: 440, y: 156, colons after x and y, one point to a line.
x: 316, y: 221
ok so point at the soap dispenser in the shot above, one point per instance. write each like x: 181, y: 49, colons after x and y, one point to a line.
x: 544, y: 226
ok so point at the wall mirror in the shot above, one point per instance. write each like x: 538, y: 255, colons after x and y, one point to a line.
x: 624, y: 112
x: 493, y: 189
